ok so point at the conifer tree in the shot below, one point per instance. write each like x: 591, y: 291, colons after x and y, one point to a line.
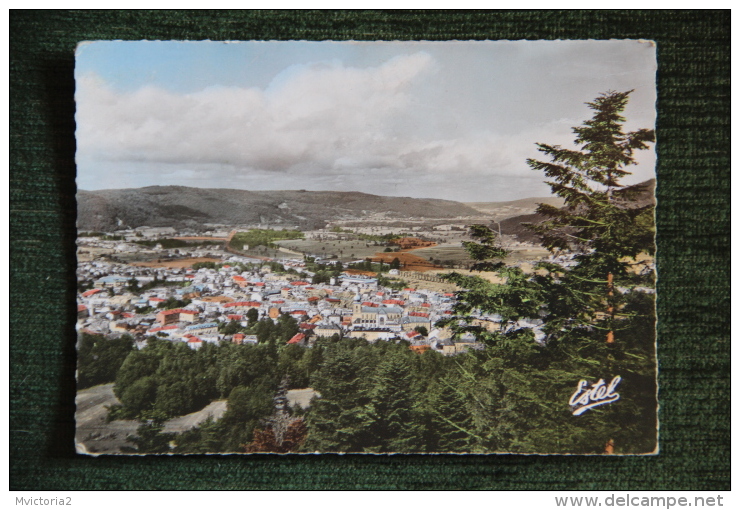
x: 392, y: 402
x: 485, y: 248
x: 519, y: 399
x: 451, y: 419
x: 594, y: 216
x: 339, y: 420
x: 600, y: 223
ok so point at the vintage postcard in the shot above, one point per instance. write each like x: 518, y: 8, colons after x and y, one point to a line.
x: 366, y: 247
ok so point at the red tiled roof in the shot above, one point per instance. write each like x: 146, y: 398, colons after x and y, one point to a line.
x: 234, y: 317
x: 81, y: 308
x: 278, y: 302
x: 90, y: 292
x: 128, y: 315
x: 399, y: 302
x: 259, y: 284
x: 239, y: 336
x: 449, y: 294
x: 418, y: 314
x: 299, y: 282
x: 306, y: 325
x: 156, y: 299
x: 426, y: 305
x: 161, y: 328
x: 369, y: 303
x: 298, y: 312
x: 313, y: 298
x: 194, y: 340
x: 238, y: 278
x: 333, y: 300
x: 297, y: 338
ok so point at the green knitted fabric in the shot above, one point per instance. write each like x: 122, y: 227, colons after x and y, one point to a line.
x: 693, y: 218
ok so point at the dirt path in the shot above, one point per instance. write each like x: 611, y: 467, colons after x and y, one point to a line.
x: 93, y: 435
x: 215, y: 410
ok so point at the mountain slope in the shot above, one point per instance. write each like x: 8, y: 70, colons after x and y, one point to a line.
x: 630, y: 197
x: 503, y: 210
x: 180, y: 206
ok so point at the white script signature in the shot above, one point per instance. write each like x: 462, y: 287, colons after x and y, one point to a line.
x: 598, y: 394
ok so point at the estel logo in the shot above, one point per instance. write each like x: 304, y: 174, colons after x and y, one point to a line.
x: 586, y: 398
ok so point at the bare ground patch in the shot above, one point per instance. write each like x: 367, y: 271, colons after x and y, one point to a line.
x: 301, y: 396
x: 215, y: 410
x: 94, y: 435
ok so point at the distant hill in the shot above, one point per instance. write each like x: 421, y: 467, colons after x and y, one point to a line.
x: 503, y: 210
x: 180, y: 206
x: 631, y: 197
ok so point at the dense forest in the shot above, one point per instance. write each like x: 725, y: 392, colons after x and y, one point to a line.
x: 382, y: 397
x: 588, y: 318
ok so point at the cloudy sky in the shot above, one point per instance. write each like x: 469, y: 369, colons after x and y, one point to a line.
x: 454, y: 120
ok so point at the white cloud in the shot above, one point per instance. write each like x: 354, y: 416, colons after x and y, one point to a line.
x: 315, y: 113
x: 321, y: 125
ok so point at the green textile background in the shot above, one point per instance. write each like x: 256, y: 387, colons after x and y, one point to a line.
x: 693, y: 258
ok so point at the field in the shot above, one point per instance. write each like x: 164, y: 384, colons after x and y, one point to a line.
x: 344, y: 250
x: 409, y: 261
x: 355, y: 250
x: 261, y: 252
x: 455, y: 254
x: 261, y: 237
x: 420, y: 259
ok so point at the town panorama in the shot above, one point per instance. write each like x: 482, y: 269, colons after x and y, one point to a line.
x: 374, y: 281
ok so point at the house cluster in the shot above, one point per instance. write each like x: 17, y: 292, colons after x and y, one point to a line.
x: 133, y: 300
